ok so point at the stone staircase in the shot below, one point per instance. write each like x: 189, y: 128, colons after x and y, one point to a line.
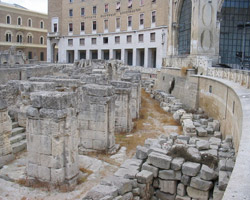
x: 18, y: 138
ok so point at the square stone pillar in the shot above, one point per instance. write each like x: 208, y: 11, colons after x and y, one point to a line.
x: 5, y: 132
x: 96, y: 118
x: 123, y: 118
x: 52, y: 138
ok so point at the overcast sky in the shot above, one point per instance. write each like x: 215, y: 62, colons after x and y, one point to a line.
x: 36, y: 5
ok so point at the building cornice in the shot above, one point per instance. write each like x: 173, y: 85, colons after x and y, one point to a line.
x: 22, y: 45
x: 22, y: 28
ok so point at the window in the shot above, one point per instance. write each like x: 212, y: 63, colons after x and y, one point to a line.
x: 129, y: 38
x: 153, y: 1
x: 106, y: 24
x: 19, y: 21
x: 152, y: 37
x: 129, y: 21
x: 140, y: 37
x: 118, y: 6
x: 70, y: 27
x: 71, y: 12
x: 118, y: 23
x: 29, y: 39
x: 70, y: 42
x: 82, y: 26
x: 117, y: 39
x: 30, y: 55
x: 8, y: 20
x: 55, y: 28
x: 41, y: 24
x: 41, y: 56
x: 41, y: 40
x: 19, y: 38
x: 141, y: 2
x: 94, y: 25
x: 29, y: 22
x: 94, y: 10
x: 105, y: 40
x: 153, y: 17
x: 106, y: 9
x: 8, y: 37
x: 82, y: 11
x: 141, y: 19
x: 71, y: 1
x: 130, y: 3
x: 82, y: 41
x: 93, y: 41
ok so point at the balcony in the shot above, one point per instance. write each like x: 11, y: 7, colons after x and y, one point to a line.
x: 55, y: 35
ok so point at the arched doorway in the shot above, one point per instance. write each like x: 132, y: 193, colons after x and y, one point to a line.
x: 184, y: 32
x: 235, y: 32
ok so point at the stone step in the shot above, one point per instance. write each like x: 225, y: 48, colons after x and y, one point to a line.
x: 17, y: 138
x: 14, y: 125
x: 17, y: 131
x: 19, y: 146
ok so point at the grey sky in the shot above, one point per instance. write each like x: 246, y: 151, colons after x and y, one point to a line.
x: 36, y: 5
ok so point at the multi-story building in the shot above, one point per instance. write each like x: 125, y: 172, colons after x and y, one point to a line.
x: 133, y: 31
x: 24, y: 29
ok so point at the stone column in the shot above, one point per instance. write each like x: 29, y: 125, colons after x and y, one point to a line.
x: 96, y: 118
x: 52, y: 138
x: 123, y: 119
x: 5, y: 132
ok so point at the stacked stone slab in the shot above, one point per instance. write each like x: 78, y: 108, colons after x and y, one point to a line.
x: 96, y: 118
x: 5, y: 132
x: 123, y: 119
x: 52, y: 138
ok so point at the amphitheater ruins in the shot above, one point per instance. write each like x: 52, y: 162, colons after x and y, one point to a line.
x: 54, y: 115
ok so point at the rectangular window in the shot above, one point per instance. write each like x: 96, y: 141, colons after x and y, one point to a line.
x: 41, y: 56
x: 94, y: 25
x: 152, y: 37
x: 93, y: 40
x: 118, y: 23
x: 106, y: 9
x: 117, y: 39
x: 129, y: 38
x: 141, y: 2
x: 82, y: 26
x: 82, y: 11
x: 130, y: 2
x: 118, y: 6
x: 94, y: 10
x: 141, y: 19
x: 153, y: 16
x: 30, y: 55
x: 70, y: 27
x: 55, y: 28
x: 129, y: 21
x: 82, y: 41
x: 105, y: 40
x: 106, y: 24
x: 71, y: 12
x: 70, y: 42
x: 140, y: 37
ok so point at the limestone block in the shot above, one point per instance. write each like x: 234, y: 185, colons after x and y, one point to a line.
x: 215, y: 141
x: 128, y: 196
x: 189, y: 128
x: 183, y: 137
x: 217, y: 134
x: 190, y: 168
x: 200, y: 184
x: 168, y: 186
x: 181, y: 190
x: 194, y: 154
x: 173, y: 136
x: 141, y: 152
x: 210, y: 130
x: 197, y: 194
x: 207, y: 173
x: 164, y: 196
x: 144, y: 176
x: 182, y: 198
x: 223, y: 179
x: 170, y: 175
x: 45, y: 145
x: 178, y: 114
x: 185, y: 180
x: 217, y: 194
x: 136, y: 191
x: 216, y: 125
x: 204, y: 122
x: 202, y: 145
x: 201, y: 132
x: 101, y: 191
x: 32, y: 170
x: 150, y: 168
x: 176, y: 163
x: 186, y: 116
x: 44, y: 173
x: 159, y: 160
x: 127, y: 173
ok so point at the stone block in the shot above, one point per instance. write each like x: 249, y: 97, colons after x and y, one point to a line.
x: 200, y: 184
x: 181, y: 190
x: 45, y: 145
x: 159, y: 160
x: 127, y: 173
x: 201, y: 132
x: 150, y: 168
x: 204, y: 122
x: 215, y: 141
x: 223, y: 179
x: 185, y: 180
x: 217, y: 194
x: 44, y: 173
x: 190, y: 168
x: 202, y: 145
x: 145, y: 177
x: 168, y: 186
x: 101, y: 191
x: 164, y: 196
x: 197, y: 194
x: 182, y: 198
x: 57, y: 175
x: 32, y: 170
x: 136, y: 191
x: 128, y: 196
x: 170, y: 175
x: 207, y: 173
x: 176, y: 163
x: 141, y: 152
x: 216, y: 125
x: 217, y: 134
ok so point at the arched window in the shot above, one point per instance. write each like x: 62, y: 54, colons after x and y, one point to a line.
x: 29, y: 38
x: 19, y: 21
x: 8, y: 36
x: 29, y: 23
x: 41, y: 40
x: 184, y: 34
x: 41, y: 24
x: 8, y: 19
x: 19, y: 38
x: 235, y: 32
